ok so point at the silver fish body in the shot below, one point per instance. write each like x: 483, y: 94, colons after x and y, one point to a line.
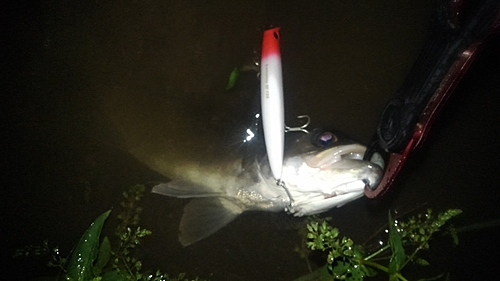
x: 317, y: 179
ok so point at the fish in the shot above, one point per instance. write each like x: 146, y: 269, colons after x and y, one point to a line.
x: 321, y: 170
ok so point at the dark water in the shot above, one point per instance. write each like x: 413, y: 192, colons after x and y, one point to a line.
x: 99, y: 96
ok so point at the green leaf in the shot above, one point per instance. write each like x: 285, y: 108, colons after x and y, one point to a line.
x: 103, y: 256
x: 80, y: 263
x: 340, y: 268
x: 421, y: 261
x: 398, y: 253
x: 393, y: 278
x: 114, y: 275
x: 454, y: 234
x: 367, y: 271
x: 358, y: 252
x: 233, y: 77
x: 356, y: 274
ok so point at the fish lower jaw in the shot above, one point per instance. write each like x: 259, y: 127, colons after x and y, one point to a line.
x: 306, y: 204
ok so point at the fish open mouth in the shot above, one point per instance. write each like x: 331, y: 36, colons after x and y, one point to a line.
x: 332, y: 178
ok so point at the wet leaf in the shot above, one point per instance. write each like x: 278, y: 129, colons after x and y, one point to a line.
x: 80, y: 263
x: 340, y: 268
x: 358, y: 252
x: 103, y: 256
x: 398, y: 253
x: 356, y: 274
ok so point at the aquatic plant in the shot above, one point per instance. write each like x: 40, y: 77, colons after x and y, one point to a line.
x: 95, y: 260
x: 129, y: 234
x: 349, y: 261
x: 43, y: 250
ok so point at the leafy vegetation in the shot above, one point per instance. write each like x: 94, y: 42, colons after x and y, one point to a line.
x: 95, y: 260
x: 349, y: 261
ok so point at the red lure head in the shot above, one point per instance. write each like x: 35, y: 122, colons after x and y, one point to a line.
x: 270, y: 42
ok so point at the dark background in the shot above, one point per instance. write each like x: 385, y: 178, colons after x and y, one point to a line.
x: 89, y: 88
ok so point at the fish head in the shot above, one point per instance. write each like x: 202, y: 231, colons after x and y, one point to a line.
x: 323, y: 170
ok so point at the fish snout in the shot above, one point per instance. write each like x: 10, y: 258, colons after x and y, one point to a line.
x: 372, y: 176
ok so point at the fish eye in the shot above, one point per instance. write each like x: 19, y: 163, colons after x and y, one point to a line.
x: 324, y: 138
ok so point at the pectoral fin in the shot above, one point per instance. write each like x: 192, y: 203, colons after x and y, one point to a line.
x: 204, y: 216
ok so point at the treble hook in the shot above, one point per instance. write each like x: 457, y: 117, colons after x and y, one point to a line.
x: 301, y: 128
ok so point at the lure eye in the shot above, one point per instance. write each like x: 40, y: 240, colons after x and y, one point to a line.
x: 324, y: 139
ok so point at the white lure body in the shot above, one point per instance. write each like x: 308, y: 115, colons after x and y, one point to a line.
x: 273, y: 112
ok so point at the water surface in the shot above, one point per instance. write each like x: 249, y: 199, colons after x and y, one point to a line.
x: 104, y: 95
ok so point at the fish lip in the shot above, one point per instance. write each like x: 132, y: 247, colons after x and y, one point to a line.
x: 332, y: 155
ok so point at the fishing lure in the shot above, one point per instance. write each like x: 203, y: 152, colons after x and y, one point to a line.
x: 273, y: 112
